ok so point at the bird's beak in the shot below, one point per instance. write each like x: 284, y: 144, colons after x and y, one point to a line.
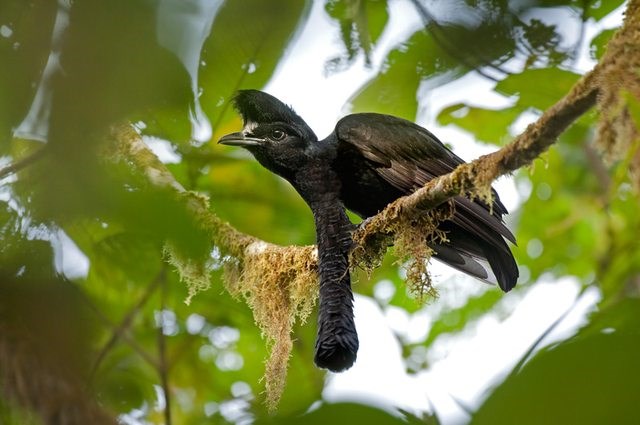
x: 239, y: 139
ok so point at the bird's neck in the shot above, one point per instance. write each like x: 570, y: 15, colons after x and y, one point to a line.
x: 318, y: 185
x: 320, y: 188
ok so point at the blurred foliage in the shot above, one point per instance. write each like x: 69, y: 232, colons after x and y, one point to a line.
x: 595, y: 375
x: 349, y: 413
x: 82, y: 237
x: 488, y: 37
x: 361, y: 24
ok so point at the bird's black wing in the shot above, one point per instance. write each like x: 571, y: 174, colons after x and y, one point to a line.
x: 406, y: 156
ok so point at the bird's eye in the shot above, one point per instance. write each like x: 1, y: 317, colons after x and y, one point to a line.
x: 277, y: 134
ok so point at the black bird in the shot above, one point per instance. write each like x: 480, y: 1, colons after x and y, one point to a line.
x: 367, y: 162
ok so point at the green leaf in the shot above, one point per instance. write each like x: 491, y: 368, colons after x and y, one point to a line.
x: 487, y: 125
x: 595, y: 376
x: 361, y: 23
x: 599, y: 43
x: 343, y: 413
x: 245, y: 45
x: 393, y: 90
x: 600, y: 9
x: 538, y: 88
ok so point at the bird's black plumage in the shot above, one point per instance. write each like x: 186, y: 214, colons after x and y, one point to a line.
x: 367, y: 162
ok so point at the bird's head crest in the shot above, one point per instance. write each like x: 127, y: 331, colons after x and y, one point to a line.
x: 257, y: 107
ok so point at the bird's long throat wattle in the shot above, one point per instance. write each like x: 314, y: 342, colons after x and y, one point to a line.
x: 337, y: 339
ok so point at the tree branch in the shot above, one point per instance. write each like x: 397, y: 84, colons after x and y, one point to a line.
x: 476, y: 177
x: 467, y: 178
x: 163, y: 369
x: 120, y: 331
x: 19, y: 164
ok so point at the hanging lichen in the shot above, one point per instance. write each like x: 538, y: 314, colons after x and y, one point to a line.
x: 280, y: 286
x: 619, y: 95
x: 412, y: 241
x: 410, y: 235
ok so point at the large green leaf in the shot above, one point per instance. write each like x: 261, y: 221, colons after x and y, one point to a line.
x: 245, y: 45
x: 487, y: 125
x: 24, y: 48
x: 538, y: 88
x: 393, y: 90
x: 595, y: 378
x: 361, y: 23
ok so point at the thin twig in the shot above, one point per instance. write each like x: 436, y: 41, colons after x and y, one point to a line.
x: 125, y: 337
x: 163, y: 369
x: 120, y: 331
x: 21, y: 163
x: 536, y: 344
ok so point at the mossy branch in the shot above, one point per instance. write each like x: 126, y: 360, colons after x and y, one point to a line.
x: 278, y: 283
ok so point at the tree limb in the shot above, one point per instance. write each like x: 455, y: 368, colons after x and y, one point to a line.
x: 19, y: 164
x: 467, y: 178
x: 476, y: 177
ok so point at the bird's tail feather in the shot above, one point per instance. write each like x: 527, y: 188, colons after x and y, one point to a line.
x: 481, y: 260
x: 503, y: 265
